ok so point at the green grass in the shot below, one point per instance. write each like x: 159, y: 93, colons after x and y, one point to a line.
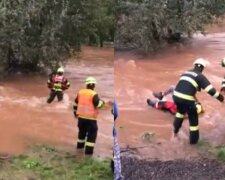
x: 220, y: 152
x: 215, y: 151
x: 45, y: 163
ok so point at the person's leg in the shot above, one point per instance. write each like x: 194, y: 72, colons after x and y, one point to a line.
x: 169, y: 106
x: 60, y: 95
x: 169, y: 90
x: 193, y: 122
x: 158, y: 95
x: 151, y: 103
x: 91, y: 137
x: 51, y: 96
x: 81, y: 134
x: 179, y: 117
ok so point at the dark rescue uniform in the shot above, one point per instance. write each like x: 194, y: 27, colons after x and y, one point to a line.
x: 184, y: 96
x: 85, y: 108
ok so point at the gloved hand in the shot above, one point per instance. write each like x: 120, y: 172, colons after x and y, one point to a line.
x: 103, y: 104
x: 220, y: 98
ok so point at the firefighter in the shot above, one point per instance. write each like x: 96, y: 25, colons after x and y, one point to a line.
x: 162, y: 104
x: 57, y: 83
x: 85, y: 108
x: 184, y: 96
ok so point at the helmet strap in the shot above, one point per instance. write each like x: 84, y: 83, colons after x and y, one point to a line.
x: 91, y: 86
x: 199, y: 67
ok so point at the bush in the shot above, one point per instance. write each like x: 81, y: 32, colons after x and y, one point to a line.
x: 146, y: 24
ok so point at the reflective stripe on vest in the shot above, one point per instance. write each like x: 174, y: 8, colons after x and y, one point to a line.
x: 58, y: 81
x: 86, y: 108
x: 183, y: 96
x: 190, y: 80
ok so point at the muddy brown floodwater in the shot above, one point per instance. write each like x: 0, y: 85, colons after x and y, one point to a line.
x: 135, y: 79
x: 26, y: 118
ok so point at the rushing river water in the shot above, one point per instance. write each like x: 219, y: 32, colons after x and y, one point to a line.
x: 26, y: 118
x: 135, y: 79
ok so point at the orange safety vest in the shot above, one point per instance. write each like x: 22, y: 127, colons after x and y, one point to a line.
x: 86, y: 108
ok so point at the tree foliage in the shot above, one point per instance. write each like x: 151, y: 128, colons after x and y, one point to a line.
x: 39, y: 34
x: 146, y: 24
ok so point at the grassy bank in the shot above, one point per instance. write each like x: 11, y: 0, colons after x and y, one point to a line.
x: 45, y: 163
x: 209, y: 150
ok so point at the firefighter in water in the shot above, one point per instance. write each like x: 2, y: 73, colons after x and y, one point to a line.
x: 57, y: 83
x: 85, y: 108
x: 184, y: 96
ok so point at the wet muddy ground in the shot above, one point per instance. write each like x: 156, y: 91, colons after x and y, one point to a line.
x: 201, y: 169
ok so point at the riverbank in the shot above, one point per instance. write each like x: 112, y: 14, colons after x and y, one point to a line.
x: 201, y: 169
x: 209, y: 164
x: 44, y: 162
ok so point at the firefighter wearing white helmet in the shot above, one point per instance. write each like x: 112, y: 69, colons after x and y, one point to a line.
x: 86, y: 105
x: 57, y: 83
x: 200, y: 62
x: 60, y: 70
x: 184, y: 95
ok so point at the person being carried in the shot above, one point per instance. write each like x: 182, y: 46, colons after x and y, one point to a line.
x: 162, y: 104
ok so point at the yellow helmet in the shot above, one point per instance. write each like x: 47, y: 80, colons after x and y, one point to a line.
x: 90, y: 80
x: 60, y: 70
